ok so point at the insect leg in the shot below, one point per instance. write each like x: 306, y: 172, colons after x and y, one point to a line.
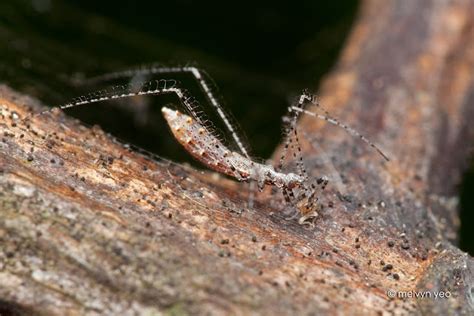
x: 205, y: 82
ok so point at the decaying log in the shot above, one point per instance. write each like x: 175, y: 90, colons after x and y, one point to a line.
x: 90, y: 226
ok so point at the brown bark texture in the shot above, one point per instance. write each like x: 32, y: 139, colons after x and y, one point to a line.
x: 89, y: 226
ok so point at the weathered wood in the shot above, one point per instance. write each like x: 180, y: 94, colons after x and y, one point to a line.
x: 87, y: 226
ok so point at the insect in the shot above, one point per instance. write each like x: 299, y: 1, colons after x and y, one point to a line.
x: 196, y: 134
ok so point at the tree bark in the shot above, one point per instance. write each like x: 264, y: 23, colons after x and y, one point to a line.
x: 88, y: 225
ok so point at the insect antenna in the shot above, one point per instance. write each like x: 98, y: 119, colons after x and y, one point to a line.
x: 306, y: 97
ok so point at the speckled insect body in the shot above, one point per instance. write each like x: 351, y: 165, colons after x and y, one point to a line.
x: 209, y: 150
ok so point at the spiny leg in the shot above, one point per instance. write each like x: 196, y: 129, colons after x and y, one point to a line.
x: 152, y: 87
x: 297, y: 154
x: 287, y: 144
x: 292, y: 143
x: 308, y: 197
x: 288, y: 122
x: 290, y: 132
x: 205, y: 82
x: 207, y: 86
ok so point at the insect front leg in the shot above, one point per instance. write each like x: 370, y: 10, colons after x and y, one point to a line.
x: 310, y: 205
x: 290, y: 200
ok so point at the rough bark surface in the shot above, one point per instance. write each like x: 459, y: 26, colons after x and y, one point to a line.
x: 88, y: 226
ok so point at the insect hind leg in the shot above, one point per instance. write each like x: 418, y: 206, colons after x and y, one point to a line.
x: 206, y: 85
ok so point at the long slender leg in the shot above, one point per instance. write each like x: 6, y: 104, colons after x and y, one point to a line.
x: 292, y: 132
x: 205, y: 82
x: 292, y: 144
x: 297, y: 154
x: 307, y: 201
x: 152, y: 87
x: 207, y: 86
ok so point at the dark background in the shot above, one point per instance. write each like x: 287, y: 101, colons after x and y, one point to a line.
x: 260, y: 55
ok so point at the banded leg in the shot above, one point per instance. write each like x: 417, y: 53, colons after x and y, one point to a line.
x: 291, y: 133
x: 206, y: 85
x: 152, y: 87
